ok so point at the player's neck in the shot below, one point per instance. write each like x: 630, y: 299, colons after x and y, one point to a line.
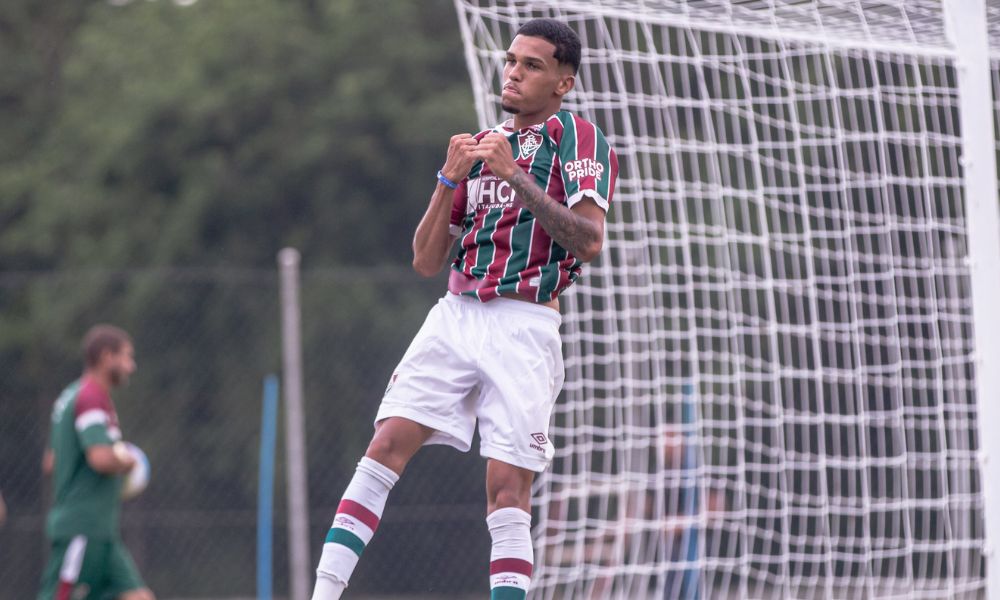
x: 523, y: 121
x: 99, y: 378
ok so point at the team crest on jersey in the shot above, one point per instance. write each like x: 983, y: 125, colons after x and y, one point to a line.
x: 529, y: 142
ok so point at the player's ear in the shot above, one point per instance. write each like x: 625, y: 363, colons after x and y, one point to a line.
x: 566, y: 82
x: 107, y: 355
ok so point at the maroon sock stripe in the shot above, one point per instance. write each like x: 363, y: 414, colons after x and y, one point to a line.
x: 64, y: 591
x: 510, y: 565
x: 359, y: 512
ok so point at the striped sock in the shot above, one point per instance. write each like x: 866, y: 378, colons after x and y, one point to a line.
x: 353, y: 527
x: 512, y: 554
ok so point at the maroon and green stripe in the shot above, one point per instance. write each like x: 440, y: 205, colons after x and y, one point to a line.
x: 503, y: 566
x: 350, y: 539
x: 505, y: 248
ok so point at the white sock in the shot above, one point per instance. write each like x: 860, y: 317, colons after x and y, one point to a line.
x: 354, y: 525
x: 512, y: 555
x: 327, y: 588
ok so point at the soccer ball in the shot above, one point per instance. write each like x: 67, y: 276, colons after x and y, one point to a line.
x: 137, y: 479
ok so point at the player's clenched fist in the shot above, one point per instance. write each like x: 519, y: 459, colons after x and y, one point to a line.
x: 495, y: 151
x: 460, y: 158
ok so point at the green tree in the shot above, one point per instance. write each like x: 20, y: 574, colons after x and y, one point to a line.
x: 149, y: 135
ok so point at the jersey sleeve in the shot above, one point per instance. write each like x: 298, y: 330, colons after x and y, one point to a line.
x: 459, y: 204
x: 589, y: 164
x: 92, y: 419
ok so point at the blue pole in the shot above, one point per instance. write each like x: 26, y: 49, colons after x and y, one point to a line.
x: 265, y: 489
x: 692, y: 503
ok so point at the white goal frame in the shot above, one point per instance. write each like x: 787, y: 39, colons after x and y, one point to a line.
x: 612, y: 328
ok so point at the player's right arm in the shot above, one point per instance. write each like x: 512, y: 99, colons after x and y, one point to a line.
x: 103, y: 459
x: 432, y: 241
x: 92, y: 421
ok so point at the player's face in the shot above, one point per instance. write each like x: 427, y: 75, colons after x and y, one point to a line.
x: 121, y: 364
x: 533, y: 81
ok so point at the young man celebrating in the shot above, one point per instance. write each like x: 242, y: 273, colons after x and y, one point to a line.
x: 527, y: 202
x: 88, y: 559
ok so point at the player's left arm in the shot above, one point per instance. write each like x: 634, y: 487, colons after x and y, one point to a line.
x: 579, y: 229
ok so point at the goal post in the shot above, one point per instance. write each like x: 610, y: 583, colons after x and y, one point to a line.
x: 968, y: 32
x: 774, y: 366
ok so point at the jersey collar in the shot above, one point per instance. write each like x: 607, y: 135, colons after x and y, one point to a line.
x: 507, y: 127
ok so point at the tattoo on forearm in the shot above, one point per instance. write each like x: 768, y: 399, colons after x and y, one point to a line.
x: 568, y: 229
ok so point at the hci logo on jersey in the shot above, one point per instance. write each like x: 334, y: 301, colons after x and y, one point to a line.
x: 529, y: 142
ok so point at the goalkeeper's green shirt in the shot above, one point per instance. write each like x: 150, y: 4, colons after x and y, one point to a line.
x: 85, y: 502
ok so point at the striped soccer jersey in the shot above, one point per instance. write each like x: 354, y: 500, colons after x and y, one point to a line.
x: 502, y: 249
x: 85, y: 502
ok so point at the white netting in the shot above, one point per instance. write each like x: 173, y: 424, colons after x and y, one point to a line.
x: 770, y: 385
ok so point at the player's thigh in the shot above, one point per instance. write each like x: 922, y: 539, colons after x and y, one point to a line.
x: 123, y: 579
x: 432, y: 383
x: 522, y: 382
x: 50, y: 574
x: 77, y: 568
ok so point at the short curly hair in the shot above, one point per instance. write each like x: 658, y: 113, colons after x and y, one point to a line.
x: 560, y: 35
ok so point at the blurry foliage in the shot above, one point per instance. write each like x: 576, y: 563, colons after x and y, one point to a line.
x: 219, y: 132
x: 148, y: 147
x: 150, y: 134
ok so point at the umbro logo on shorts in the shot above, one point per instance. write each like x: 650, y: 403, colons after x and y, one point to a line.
x: 540, y: 440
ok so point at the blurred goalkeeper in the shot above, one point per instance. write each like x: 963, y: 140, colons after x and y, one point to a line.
x: 87, y: 557
x: 526, y: 201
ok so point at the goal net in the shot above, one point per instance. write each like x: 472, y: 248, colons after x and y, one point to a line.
x: 770, y: 378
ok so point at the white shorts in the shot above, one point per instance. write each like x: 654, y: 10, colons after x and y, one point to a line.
x: 499, y: 362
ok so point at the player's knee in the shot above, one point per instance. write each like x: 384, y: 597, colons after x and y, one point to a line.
x: 507, y: 492
x: 396, y: 441
x: 389, y: 452
x: 380, y: 449
x: 509, y: 498
x: 141, y: 594
x: 507, y: 486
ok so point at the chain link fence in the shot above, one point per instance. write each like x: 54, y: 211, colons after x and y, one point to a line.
x: 205, y: 341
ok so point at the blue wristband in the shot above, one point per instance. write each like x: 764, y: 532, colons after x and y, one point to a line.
x: 446, y: 181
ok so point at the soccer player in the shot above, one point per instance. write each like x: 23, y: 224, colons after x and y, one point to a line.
x: 526, y: 201
x: 88, y: 559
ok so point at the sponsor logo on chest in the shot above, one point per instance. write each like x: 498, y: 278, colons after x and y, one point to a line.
x: 489, y: 192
